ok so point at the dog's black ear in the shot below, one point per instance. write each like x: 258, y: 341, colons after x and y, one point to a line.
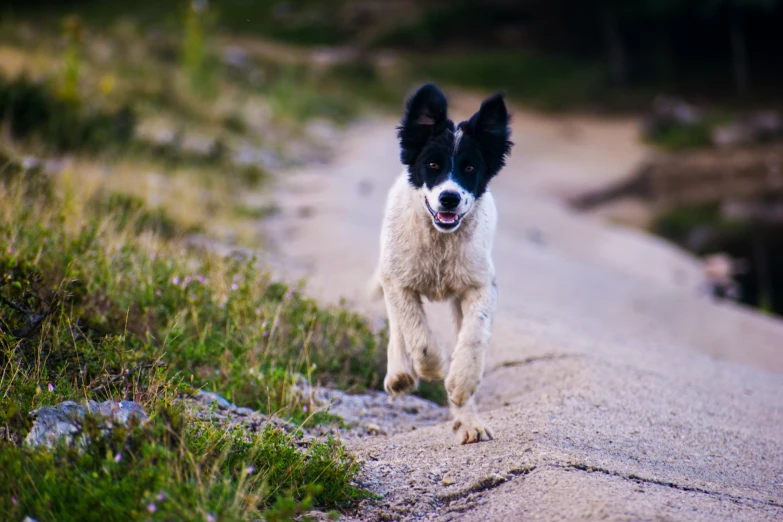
x: 490, y: 128
x: 425, y: 116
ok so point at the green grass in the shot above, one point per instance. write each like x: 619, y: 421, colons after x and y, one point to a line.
x: 124, y: 305
x: 99, y: 299
x: 175, y: 468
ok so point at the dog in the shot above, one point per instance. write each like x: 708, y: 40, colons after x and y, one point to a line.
x: 436, y: 242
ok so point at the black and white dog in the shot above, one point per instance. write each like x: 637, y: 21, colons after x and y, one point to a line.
x: 436, y: 242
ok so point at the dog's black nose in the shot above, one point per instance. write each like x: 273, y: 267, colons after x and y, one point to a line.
x: 449, y: 200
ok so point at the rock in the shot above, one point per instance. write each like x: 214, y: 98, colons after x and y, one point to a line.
x: 235, y: 56
x: 448, y: 480
x: 730, y: 135
x: 719, y: 271
x: 376, y: 413
x: 247, y: 154
x: 211, y: 406
x: 64, y: 421
x: 755, y: 128
x: 668, y: 112
x: 210, y: 398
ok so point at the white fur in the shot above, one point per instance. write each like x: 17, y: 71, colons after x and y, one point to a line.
x: 457, y: 137
x: 416, y: 261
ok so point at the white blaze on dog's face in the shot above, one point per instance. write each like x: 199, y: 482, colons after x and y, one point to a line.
x: 452, y: 165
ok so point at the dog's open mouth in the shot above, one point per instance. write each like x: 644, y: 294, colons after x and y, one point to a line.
x: 444, y: 220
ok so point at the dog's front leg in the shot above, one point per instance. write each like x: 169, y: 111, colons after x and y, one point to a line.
x: 467, y: 363
x: 410, y: 330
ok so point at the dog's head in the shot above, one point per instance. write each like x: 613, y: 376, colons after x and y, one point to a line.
x: 452, y: 164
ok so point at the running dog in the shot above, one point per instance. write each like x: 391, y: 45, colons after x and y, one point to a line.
x: 436, y: 242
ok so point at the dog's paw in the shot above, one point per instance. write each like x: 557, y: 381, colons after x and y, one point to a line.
x: 399, y: 383
x: 462, y: 381
x: 471, y: 430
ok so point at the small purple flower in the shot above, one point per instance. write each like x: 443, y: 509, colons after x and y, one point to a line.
x: 187, y: 280
x: 175, y: 280
x: 250, y: 470
x: 305, y: 408
x: 266, y: 333
x: 153, y: 256
x: 202, y: 279
x: 118, y: 457
x: 290, y: 293
x: 234, y: 286
x: 51, y: 387
x: 151, y: 507
x: 210, y: 517
x: 10, y: 250
x: 13, y: 500
x: 158, y: 292
x: 161, y: 496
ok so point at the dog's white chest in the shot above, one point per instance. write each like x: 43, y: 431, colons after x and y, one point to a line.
x: 437, y: 265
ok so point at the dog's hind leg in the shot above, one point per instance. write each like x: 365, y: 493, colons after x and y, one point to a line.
x: 467, y: 362
x: 421, y: 345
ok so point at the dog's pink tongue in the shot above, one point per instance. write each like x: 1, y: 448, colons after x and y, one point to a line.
x: 447, y: 217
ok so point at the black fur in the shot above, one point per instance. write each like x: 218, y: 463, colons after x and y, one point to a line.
x: 427, y: 137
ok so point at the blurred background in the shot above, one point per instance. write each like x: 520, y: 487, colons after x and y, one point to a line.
x: 208, y: 98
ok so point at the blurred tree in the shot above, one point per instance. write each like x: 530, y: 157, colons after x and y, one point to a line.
x: 739, y: 53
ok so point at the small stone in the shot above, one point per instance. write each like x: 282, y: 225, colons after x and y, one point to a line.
x: 52, y: 423
x: 213, y: 398
x: 448, y: 480
x: 374, y: 429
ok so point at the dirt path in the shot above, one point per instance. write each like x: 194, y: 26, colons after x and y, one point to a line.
x: 614, y: 390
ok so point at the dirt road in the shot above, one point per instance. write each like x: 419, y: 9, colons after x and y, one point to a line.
x: 614, y: 390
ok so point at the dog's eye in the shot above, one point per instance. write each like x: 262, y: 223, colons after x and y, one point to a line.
x: 469, y: 168
x: 433, y: 165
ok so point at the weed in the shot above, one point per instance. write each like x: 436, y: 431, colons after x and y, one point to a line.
x: 69, y: 89
x: 195, y: 59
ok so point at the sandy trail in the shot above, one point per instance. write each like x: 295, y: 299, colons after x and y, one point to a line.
x: 615, y: 392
